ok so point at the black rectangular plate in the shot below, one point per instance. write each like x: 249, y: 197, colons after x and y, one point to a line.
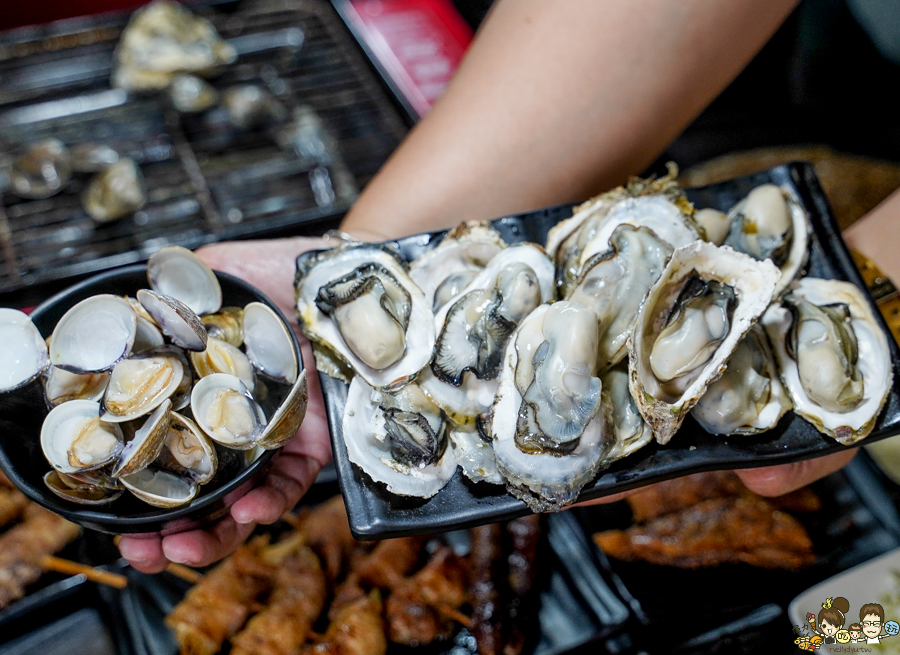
x: 375, y: 513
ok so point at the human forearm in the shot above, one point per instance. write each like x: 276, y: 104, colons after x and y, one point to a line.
x: 560, y: 99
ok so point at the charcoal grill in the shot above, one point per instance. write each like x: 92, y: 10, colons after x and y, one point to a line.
x: 207, y: 182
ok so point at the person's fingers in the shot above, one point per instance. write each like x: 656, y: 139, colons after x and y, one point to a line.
x: 144, y: 553
x: 203, y: 547
x: 782, y: 479
x: 287, y: 481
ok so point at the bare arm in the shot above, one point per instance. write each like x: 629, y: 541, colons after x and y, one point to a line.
x: 558, y: 100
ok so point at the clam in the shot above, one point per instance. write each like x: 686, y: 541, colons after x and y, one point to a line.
x: 251, y: 107
x: 24, y: 355
x: 82, y: 493
x: 146, y: 336
x: 177, y: 272
x: 93, y: 335
x: 269, y: 344
x: 138, y: 386
x: 74, y: 439
x: 175, y: 319
x: 116, y: 192
x: 161, y: 488
x: 186, y: 450
x: 221, y: 357
x: 61, y: 386
x: 146, y: 444
x: 226, y: 324
x: 42, y: 170
x: 226, y: 411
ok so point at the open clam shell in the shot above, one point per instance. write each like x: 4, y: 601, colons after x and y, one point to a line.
x: 226, y: 324
x: 175, y: 319
x: 221, y: 357
x: 137, y: 386
x: 161, y: 488
x: 81, y: 493
x: 177, y: 272
x: 61, y: 386
x: 74, y: 439
x: 270, y: 347
x: 187, y: 451
x: 93, y: 335
x: 286, y: 421
x: 24, y: 355
x: 225, y: 410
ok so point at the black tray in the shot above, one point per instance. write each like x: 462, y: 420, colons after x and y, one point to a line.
x: 375, y: 513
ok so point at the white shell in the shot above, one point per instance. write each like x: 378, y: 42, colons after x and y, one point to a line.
x: 753, y: 283
x: 466, y: 248
x: 93, y: 335
x: 177, y: 272
x: 188, y: 450
x: 543, y: 481
x: 175, y: 319
x: 269, y: 345
x: 368, y: 448
x: 242, y: 435
x: 137, y: 386
x: 23, y: 354
x: 66, y: 421
x: 221, y: 357
x: 61, y: 386
x: 874, y: 359
x: 320, y: 328
x: 147, y: 335
x: 474, y: 455
x: 161, y: 488
x: 624, y: 424
x: 147, y: 442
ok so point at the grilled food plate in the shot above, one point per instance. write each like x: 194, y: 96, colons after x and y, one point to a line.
x: 375, y: 513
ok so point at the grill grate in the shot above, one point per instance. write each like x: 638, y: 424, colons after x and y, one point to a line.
x: 206, y: 181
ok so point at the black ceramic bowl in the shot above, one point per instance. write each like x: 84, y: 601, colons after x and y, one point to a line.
x: 22, y: 412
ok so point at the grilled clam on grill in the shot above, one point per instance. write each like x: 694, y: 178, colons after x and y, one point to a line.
x: 654, y: 314
x: 133, y: 412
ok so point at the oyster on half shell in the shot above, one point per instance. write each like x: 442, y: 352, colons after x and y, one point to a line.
x: 833, y: 356
x: 692, y: 320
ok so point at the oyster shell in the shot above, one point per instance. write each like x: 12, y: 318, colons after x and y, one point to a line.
x: 548, y: 435
x: 615, y: 283
x: 116, y: 192
x: 474, y: 453
x: 24, y: 355
x: 771, y: 224
x: 398, y: 439
x: 749, y: 397
x: 162, y: 40
x: 442, y: 272
x: 656, y: 204
x: 92, y: 157
x: 833, y: 356
x: 625, y: 427
x: 358, y: 302
x: 692, y: 320
x: 251, y: 107
x: 191, y: 95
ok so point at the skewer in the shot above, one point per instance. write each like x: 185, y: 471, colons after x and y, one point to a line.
x: 68, y: 567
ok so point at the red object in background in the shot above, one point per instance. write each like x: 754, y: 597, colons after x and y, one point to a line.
x: 418, y: 42
x: 16, y: 14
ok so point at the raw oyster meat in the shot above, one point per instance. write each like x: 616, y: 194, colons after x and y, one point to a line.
x: 615, y: 283
x: 548, y: 433
x: 749, y: 397
x: 692, y: 320
x: 770, y: 224
x: 656, y: 204
x: 833, y: 356
x: 358, y: 302
x: 475, y: 326
x: 398, y: 438
x: 162, y: 40
x: 625, y: 427
x: 442, y: 272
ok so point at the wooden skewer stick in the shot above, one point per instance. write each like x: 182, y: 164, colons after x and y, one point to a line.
x: 454, y: 615
x: 68, y: 567
x: 184, y: 572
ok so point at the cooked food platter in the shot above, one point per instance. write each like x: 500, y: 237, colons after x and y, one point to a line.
x: 680, y: 447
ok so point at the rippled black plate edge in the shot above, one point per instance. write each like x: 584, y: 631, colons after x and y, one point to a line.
x: 374, y: 513
x: 150, y: 521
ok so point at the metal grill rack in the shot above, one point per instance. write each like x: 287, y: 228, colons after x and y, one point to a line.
x: 206, y: 180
